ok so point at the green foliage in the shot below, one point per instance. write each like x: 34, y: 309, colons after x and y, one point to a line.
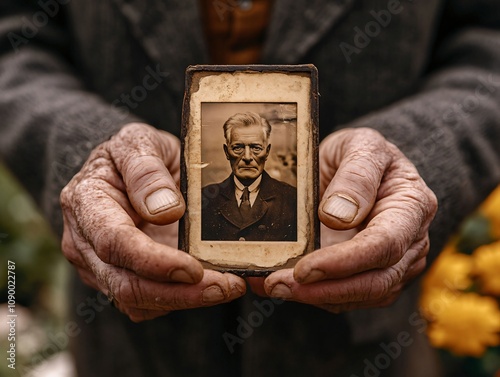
x: 25, y: 238
x: 474, y: 232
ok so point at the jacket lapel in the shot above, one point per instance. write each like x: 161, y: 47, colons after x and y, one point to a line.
x: 297, y: 25
x: 230, y: 210
x: 170, y: 32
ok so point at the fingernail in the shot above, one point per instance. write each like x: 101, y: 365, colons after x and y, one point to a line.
x: 160, y: 200
x: 181, y: 276
x: 313, y: 276
x: 341, y: 207
x: 212, y: 294
x: 281, y: 290
x: 238, y: 287
x: 236, y: 291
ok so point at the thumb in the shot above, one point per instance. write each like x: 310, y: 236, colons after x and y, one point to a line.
x: 357, y: 160
x: 148, y: 160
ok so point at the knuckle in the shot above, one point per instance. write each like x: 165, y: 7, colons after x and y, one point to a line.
x: 380, y: 288
x: 432, y: 202
x: 104, y: 245
x: 65, y: 195
x: 385, y: 248
x: 366, y: 292
x: 354, y: 291
x: 81, y: 191
x: 70, y: 251
x: 424, y: 247
x: 425, y: 199
x: 370, y: 135
x: 362, y: 173
x: 383, y: 283
x: 178, y: 301
x: 418, y: 268
x: 126, y: 291
x: 112, y: 246
x: 144, y: 171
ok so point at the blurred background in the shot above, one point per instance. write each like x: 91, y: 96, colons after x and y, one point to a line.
x: 41, y: 280
x: 460, y: 295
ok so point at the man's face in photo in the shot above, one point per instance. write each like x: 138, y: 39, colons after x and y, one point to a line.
x: 247, y: 151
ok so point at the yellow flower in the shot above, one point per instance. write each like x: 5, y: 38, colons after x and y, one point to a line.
x: 467, y: 325
x: 487, y: 267
x: 491, y: 209
x: 451, y: 270
x: 434, y: 300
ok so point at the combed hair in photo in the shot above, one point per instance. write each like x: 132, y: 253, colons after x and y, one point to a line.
x: 246, y: 119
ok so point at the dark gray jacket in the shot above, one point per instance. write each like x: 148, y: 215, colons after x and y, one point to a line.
x: 274, y: 213
x: 426, y: 74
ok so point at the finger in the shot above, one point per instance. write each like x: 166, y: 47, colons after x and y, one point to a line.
x: 113, y: 236
x: 404, y: 209
x: 387, y: 301
x: 357, y: 160
x: 68, y: 246
x: 164, y: 234
x: 146, y: 159
x: 367, y: 286
x: 382, y: 244
x: 130, y: 291
x: 415, y: 270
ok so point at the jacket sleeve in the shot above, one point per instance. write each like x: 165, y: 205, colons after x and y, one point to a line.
x: 450, y: 128
x: 49, y: 122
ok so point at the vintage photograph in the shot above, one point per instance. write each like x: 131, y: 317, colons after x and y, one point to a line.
x: 249, y: 167
x: 249, y: 178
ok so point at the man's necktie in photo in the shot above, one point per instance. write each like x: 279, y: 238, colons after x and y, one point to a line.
x: 245, y: 207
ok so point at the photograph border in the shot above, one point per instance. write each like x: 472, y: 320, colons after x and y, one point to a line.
x: 199, y: 248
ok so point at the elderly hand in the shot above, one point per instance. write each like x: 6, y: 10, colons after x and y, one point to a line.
x: 366, y: 183
x: 113, y: 209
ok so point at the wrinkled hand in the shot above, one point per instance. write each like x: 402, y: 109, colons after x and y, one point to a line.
x: 116, y: 211
x: 366, y: 183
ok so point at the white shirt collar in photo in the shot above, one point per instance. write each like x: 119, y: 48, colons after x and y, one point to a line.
x: 253, y: 189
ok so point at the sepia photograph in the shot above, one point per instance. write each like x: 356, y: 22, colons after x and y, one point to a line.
x: 249, y: 179
x: 249, y: 167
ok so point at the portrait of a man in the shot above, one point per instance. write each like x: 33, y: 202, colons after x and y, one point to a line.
x: 249, y: 205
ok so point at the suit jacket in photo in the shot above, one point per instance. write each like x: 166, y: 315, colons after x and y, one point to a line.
x: 273, y: 215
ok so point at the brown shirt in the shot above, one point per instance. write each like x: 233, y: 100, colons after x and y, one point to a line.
x: 235, y: 30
